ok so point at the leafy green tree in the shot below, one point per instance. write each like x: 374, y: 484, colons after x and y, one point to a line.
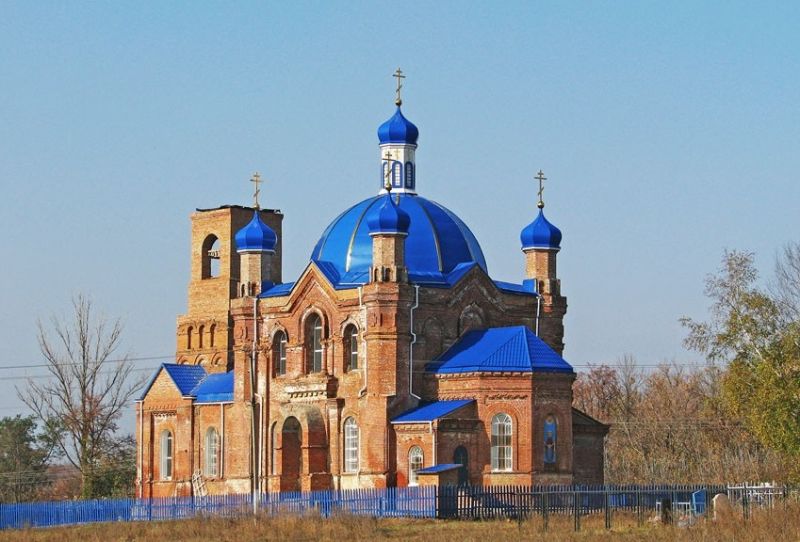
x: 23, y: 459
x: 755, y: 334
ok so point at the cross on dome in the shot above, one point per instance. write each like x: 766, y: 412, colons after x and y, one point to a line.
x: 256, y: 180
x: 399, y: 75
x: 541, y: 178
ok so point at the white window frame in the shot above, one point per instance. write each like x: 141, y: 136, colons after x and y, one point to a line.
x: 502, y: 451
x: 211, y: 465
x: 316, y: 345
x: 416, y: 461
x: 351, y: 445
x: 167, y: 449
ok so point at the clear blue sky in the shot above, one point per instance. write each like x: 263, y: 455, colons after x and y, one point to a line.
x: 669, y: 132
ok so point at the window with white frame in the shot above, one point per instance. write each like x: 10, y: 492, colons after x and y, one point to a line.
x: 279, y: 353
x: 351, y: 348
x: 415, y: 462
x: 350, y: 445
x: 314, y: 343
x: 166, y: 455
x: 502, y: 450
x: 211, y: 466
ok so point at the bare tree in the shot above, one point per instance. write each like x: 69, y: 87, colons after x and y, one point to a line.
x: 82, y: 401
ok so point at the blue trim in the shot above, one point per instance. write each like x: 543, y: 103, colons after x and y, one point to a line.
x: 499, y: 349
x: 214, y: 388
x: 440, y: 468
x: 428, y: 412
x: 185, y: 377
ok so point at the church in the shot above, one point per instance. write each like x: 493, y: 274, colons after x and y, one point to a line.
x: 394, y: 356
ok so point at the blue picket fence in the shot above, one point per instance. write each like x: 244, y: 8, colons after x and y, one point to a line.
x: 457, y: 502
x: 418, y: 502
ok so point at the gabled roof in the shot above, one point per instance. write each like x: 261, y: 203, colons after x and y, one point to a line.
x: 185, y: 377
x: 429, y: 412
x: 499, y: 349
x: 214, y: 388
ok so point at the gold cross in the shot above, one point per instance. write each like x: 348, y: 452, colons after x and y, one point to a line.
x: 257, y: 181
x: 541, y: 178
x: 399, y: 75
x: 387, y: 183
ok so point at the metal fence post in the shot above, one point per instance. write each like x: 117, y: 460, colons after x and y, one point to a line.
x: 576, y: 510
x: 607, y: 506
x: 545, y: 511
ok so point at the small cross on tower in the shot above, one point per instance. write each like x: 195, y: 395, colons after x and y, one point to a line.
x: 399, y: 75
x: 541, y: 178
x: 387, y: 183
x: 256, y: 180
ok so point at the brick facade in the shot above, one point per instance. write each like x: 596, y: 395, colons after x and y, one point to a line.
x: 301, y: 413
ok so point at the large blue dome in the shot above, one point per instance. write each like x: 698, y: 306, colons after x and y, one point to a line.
x: 438, y: 245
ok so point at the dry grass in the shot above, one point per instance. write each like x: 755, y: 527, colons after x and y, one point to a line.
x: 776, y: 525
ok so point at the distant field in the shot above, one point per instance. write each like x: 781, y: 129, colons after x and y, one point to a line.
x: 775, y: 525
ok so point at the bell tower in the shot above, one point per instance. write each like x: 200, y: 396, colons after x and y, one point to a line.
x: 204, y: 333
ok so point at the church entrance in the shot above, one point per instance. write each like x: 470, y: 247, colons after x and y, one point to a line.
x: 460, y: 457
x: 291, y: 455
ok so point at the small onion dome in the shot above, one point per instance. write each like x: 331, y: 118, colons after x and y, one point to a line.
x: 256, y: 236
x: 398, y: 129
x: 540, y: 234
x: 388, y: 218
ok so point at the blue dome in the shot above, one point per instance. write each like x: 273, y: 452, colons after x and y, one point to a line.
x: 540, y: 234
x: 438, y: 242
x: 388, y: 218
x: 398, y: 129
x: 256, y: 236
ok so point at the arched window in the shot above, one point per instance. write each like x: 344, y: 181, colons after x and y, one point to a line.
x: 211, y: 332
x: 200, y: 332
x: 210, y: 255
x: 189, y: 331
x: 501, y: 443
x: 314, y: 344
x: 415, y: 461
x: 384, y: 173
x: 279, y: 353
x: 350, y: 348
x: 166, y: 455
x: 397, y: 175
x: 350, y: 445
x: 212, y: 453
x: 409, y: 175
x: 550, y: 440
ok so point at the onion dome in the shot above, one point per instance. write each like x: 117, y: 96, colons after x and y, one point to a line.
x: 438, y: 242
x: 540, y: 234
x: 388, y: 218
x: 256, y: 236
x: 398, y: 129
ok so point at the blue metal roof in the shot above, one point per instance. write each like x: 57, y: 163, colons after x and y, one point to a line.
x: 278, y: 290
x: 185, y: 377
x: 431, y: 411
x: 214, y: 388
x: 256, y: 236
x: 398, y: 129
x: 437, y: 243
x: 444, y: 467
x: 499, y: 349
x: 540, y: 234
